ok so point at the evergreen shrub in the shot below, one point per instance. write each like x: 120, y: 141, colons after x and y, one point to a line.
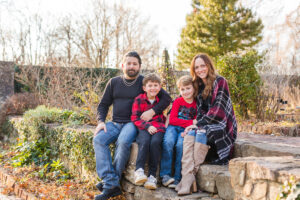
x: 239, y: 68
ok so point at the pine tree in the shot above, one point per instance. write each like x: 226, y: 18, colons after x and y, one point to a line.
x: 216, y: 27
x: 167, y: 74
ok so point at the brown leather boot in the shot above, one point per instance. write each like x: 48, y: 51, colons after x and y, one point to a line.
x: 200, y: 152
x: 188, y: 184
x: 187, y: 168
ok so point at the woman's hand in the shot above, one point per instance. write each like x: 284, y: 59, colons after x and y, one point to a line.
x: 147, y: 115
x: 100, y: 126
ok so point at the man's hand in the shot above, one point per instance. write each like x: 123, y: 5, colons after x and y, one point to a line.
x: 167, y: 121
x: 152, y: 130
x: 100, y: 126
x: 147, y: 115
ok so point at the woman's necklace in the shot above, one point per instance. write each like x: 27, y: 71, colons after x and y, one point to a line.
x: 128, y: 84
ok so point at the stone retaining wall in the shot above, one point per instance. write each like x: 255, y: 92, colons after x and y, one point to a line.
x: 256, y: 178
x: 247, y: 178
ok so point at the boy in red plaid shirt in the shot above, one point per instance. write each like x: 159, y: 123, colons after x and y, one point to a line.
x: 151, y: 132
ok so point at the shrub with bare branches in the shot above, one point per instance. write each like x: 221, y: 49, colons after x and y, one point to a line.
x: 66, y: 87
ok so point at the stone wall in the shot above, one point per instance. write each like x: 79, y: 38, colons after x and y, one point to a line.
x: 6, y: 80
x: 254, y: 178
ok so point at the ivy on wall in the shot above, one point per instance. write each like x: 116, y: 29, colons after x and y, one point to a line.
x: 62, y: 132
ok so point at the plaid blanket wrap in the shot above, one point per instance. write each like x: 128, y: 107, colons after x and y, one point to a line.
x: 219, y: 121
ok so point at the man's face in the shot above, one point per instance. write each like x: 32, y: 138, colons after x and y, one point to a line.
x: 131, y: 67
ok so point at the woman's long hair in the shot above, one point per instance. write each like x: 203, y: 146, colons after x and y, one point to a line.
x: 211, y: 76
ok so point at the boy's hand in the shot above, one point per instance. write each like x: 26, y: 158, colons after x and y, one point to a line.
x: 147, y: 115
x: 183, y: 134
x: 194, y: 122
x: 152, y: 130
x: 187, y: 129
x: 100, y: 126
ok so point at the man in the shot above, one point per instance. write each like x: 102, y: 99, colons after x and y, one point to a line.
x: 120, y: 92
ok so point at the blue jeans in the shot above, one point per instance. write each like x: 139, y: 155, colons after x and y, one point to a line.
x: 199, y: 137
x: 172, y: 138
x: 123, y: 134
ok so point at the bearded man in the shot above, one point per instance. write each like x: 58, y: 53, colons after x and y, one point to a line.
x: 120, y: 92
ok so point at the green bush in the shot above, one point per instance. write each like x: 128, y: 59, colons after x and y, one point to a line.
x: 38, y: 152
x: 244, y: 81
x: 64, y: 132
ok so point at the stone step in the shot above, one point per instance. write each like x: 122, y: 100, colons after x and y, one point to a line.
x: 266, y: 145
x: 210, y: 178
x: 216, y: 179
x: 133, y: 192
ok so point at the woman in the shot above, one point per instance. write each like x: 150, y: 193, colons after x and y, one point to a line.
x: 216, y: 128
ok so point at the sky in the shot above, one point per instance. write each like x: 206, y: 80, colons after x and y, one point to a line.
x: 168, y: 16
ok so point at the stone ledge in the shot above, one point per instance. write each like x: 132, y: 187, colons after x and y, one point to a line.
x: 265, y: 145
x: 261, y: 177
x: 133, y: 192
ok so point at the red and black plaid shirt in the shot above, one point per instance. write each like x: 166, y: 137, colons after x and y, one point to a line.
x: 142, y: 104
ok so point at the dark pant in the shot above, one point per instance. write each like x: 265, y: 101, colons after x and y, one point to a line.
x: 149, y: 146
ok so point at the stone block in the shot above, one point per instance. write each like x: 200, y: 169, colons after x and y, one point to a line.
x: 130, y: 169
x: 274, y: 190
x: 248, y: 188
x: 10, y: 182
x: 198, y: 195
x: 237, y: 170
x: 160, y: 193
x: 127, y: 186
x: 24, y: 195
x: 259, y: 191
x: 206, y: 177
x: 17, y: 190
x: 129, y: 196
x: 225, y: 190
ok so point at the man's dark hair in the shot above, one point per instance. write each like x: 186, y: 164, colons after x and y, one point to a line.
x: 133, y: 54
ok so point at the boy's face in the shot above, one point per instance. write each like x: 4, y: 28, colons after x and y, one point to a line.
x: 187, y: 92
x: 152, y: 89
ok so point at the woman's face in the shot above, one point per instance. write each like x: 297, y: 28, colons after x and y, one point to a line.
x: 201, y: 70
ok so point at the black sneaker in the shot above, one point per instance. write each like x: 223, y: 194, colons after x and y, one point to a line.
x: 108, y: 193
x: 99, y: 186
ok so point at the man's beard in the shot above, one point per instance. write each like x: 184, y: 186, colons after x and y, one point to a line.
x: 132, y: 73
